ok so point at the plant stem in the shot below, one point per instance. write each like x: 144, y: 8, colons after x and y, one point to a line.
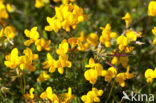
x: 110, y: 92
x: 20, y: 80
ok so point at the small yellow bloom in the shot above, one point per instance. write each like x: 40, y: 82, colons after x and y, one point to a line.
x: 121, y: 77
x: 40, y: 3
x: 129, y: 49
x: 50, y: 95
x: 11, y: 8
x: 110, y: 74
x: 124, y: 61
x: 30, y: 95
x: 154, y: 31
x: 114, y: 60
x: 122, y: 40
x: 63, y: 62
x: 107, y: 35
x: 92, y: 39
x: 154, y: 41
x: 12, y: 60
x: 32, y: 34
x: 91, y: 63
x: 26, y: 60
x: 3, y: 11
x: 150, y: 75
x: 67, y: 96
x: 43, y: 77
x: 131, y: 35
x: 127, y: 19
x: 50, y: 63
x: 42, y: 44
x: 92, y: 96
x: 9, y: 32
x: 63, y: 48
x: 152, y: 8
x: 91, y: 75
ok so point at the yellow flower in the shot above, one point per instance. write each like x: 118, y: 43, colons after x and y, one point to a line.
x: 63, y: 62
x: 107, y: 35
x: 3, y: 11
x: 127, y: 19
x: 131, y: 35
x: 41, y: 43
x: 128, y: 75
x: 150, y: 75
x: 114, y: 60
x: 12, y: 60
x: 50, y: 63
x: 92, y: 39
x: 154, y: 41
x: 154, y: 31
x: 110, y: 74
x: 124, y: 61
x: 152, y: 8
x: 97, y: 66
x: 32, y: 34
x: 40, y: 3
x: 73, y: 42
x: 67, y: 96
x: 129, y: 49
x: 82, y: 38
x: 91, y: 63
x: 11, y: 8
x: 63, y: 48
x: 50, y: 95
x: 92, y: 96
x: 26, y: 60
x: 122, y: 41
x: 99, y: 69
x: 121, y: 77
x: 54, y: 24
x: 1, y: 32
x: 30, y: 95
x: 9, y: 32
x: 43, y: 77
x: 67, y: 16
x: 91, y: 75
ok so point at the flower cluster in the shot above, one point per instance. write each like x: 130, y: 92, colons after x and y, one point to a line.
x: 107, y: 35
x: 40, y: 43
x: 96, y: 69
x: 110, y: 64
x: 92, y: 96
x: 62, y: 62
x: 64, y: 98
x: 67, y: 16
x: 23, y: 62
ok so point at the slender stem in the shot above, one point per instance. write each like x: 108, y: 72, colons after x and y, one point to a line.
x: 110, y: 92
x: 20, y: 80
x: 24, y: 81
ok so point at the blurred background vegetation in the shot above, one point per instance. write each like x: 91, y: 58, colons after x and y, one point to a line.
x: 100, y: 13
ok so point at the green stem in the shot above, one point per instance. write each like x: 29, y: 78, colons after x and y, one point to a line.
x: 110, y: 92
